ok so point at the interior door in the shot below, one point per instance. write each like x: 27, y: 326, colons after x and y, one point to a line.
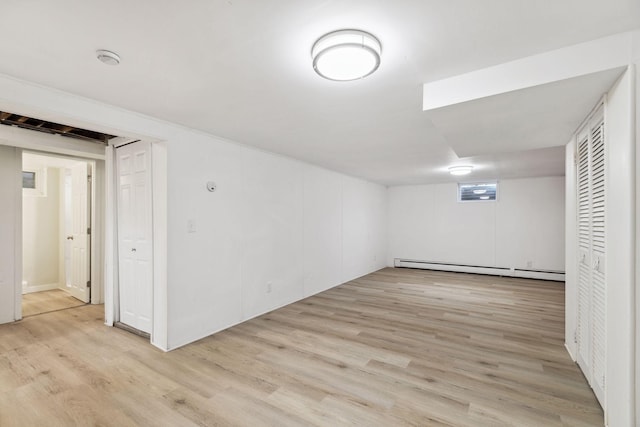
x: 78, y: 233
x: 135, y: 235
x: 598, y: 256
x: 583, y: 335
x: 591, y: 334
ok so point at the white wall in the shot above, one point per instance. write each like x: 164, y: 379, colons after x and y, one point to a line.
x: 275, y: 231
x: 41, y: 235
x: 10, y: 188
x: 524, y: 228
x: 620, y: 262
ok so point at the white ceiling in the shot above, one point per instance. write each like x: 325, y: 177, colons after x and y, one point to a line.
x: 537, y: 117
x: 241, y: 69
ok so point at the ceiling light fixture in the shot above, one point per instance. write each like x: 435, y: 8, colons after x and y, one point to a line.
x: 108, y: 57
x: 460, y: 170
x: 346, y: 55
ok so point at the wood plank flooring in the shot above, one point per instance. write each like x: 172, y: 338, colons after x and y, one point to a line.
x: 47, y: 301
x: 397, y: 347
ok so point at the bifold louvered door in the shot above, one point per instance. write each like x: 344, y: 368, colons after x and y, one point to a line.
x: 591, y: 209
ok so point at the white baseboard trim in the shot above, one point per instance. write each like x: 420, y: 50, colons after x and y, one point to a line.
x: 39, y: 288
x: 494, y: 271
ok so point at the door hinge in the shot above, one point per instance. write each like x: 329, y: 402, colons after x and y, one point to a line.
x: 89, y: 284
x: 88, y: 230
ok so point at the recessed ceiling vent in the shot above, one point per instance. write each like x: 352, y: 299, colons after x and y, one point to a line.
x: 30, y: 123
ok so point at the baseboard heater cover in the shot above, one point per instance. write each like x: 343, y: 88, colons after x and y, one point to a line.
x: 494, y: 271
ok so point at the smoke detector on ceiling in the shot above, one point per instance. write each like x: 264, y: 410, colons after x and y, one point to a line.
x: 108, y: 57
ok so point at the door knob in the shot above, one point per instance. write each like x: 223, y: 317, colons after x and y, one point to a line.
x: 69, y: 237
x: 133, y: 249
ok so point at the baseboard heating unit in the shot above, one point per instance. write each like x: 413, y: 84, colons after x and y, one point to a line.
x: 495, y: 271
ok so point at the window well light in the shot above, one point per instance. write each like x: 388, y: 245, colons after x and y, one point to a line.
x: 460, y: 170
x: 345, y: 55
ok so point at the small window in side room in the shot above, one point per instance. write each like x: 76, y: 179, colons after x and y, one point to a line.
x: 478, y: 192
x: 34, y: 182
x: 28, y: 179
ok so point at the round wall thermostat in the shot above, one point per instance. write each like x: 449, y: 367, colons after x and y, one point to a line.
x: 211, y: 186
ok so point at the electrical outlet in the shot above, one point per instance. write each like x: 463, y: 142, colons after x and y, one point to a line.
x: 529, y: 264
x: 268, y: 287
x: 191, y: 226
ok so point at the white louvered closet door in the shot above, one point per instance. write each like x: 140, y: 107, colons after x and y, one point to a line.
x: 591, y: 333
x: 583, y: 335
x: 598, y: 284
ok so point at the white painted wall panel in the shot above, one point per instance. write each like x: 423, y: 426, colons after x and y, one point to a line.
x: 525, y: 225
x: 364, y: 219
x: 463, y: 233
x: 620, y: 263
x: 411, y: 222
x: 41, y: 234
x: 9, y: 165
x: 204, y: 267
x: 530, y: 223
x: 427, y: 223
x: 272, y: 254
x: 322, y: 230
x: 271, y: 220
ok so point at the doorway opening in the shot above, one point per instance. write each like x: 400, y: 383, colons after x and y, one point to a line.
x: 56, y: 232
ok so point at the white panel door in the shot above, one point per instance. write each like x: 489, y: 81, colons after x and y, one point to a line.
x: 135, y: 235
x: 78, y: 233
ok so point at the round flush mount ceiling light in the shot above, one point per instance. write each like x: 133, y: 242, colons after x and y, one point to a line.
x: 460, y: 170
x: 108, y: 57
x: 346, y: 55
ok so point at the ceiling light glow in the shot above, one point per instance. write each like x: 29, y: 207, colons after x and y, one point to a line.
x: 346, y: 55
x: 460, y: 170
x: 479, y: 191
x: 484, y: 197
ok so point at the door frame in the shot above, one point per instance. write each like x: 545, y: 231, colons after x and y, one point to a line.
x: 96, y: 221
x: 96, y: 174
x: 59, y: 107
x: 159, y: 312
x: 50, y: 145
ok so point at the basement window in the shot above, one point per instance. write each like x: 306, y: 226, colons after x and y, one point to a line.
x: 478, y: 192
x: 28, y: 179
x: 34, y: 182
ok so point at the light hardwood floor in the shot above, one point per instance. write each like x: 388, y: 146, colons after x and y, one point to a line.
x: 394, y: 348
x: 47, y: 301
